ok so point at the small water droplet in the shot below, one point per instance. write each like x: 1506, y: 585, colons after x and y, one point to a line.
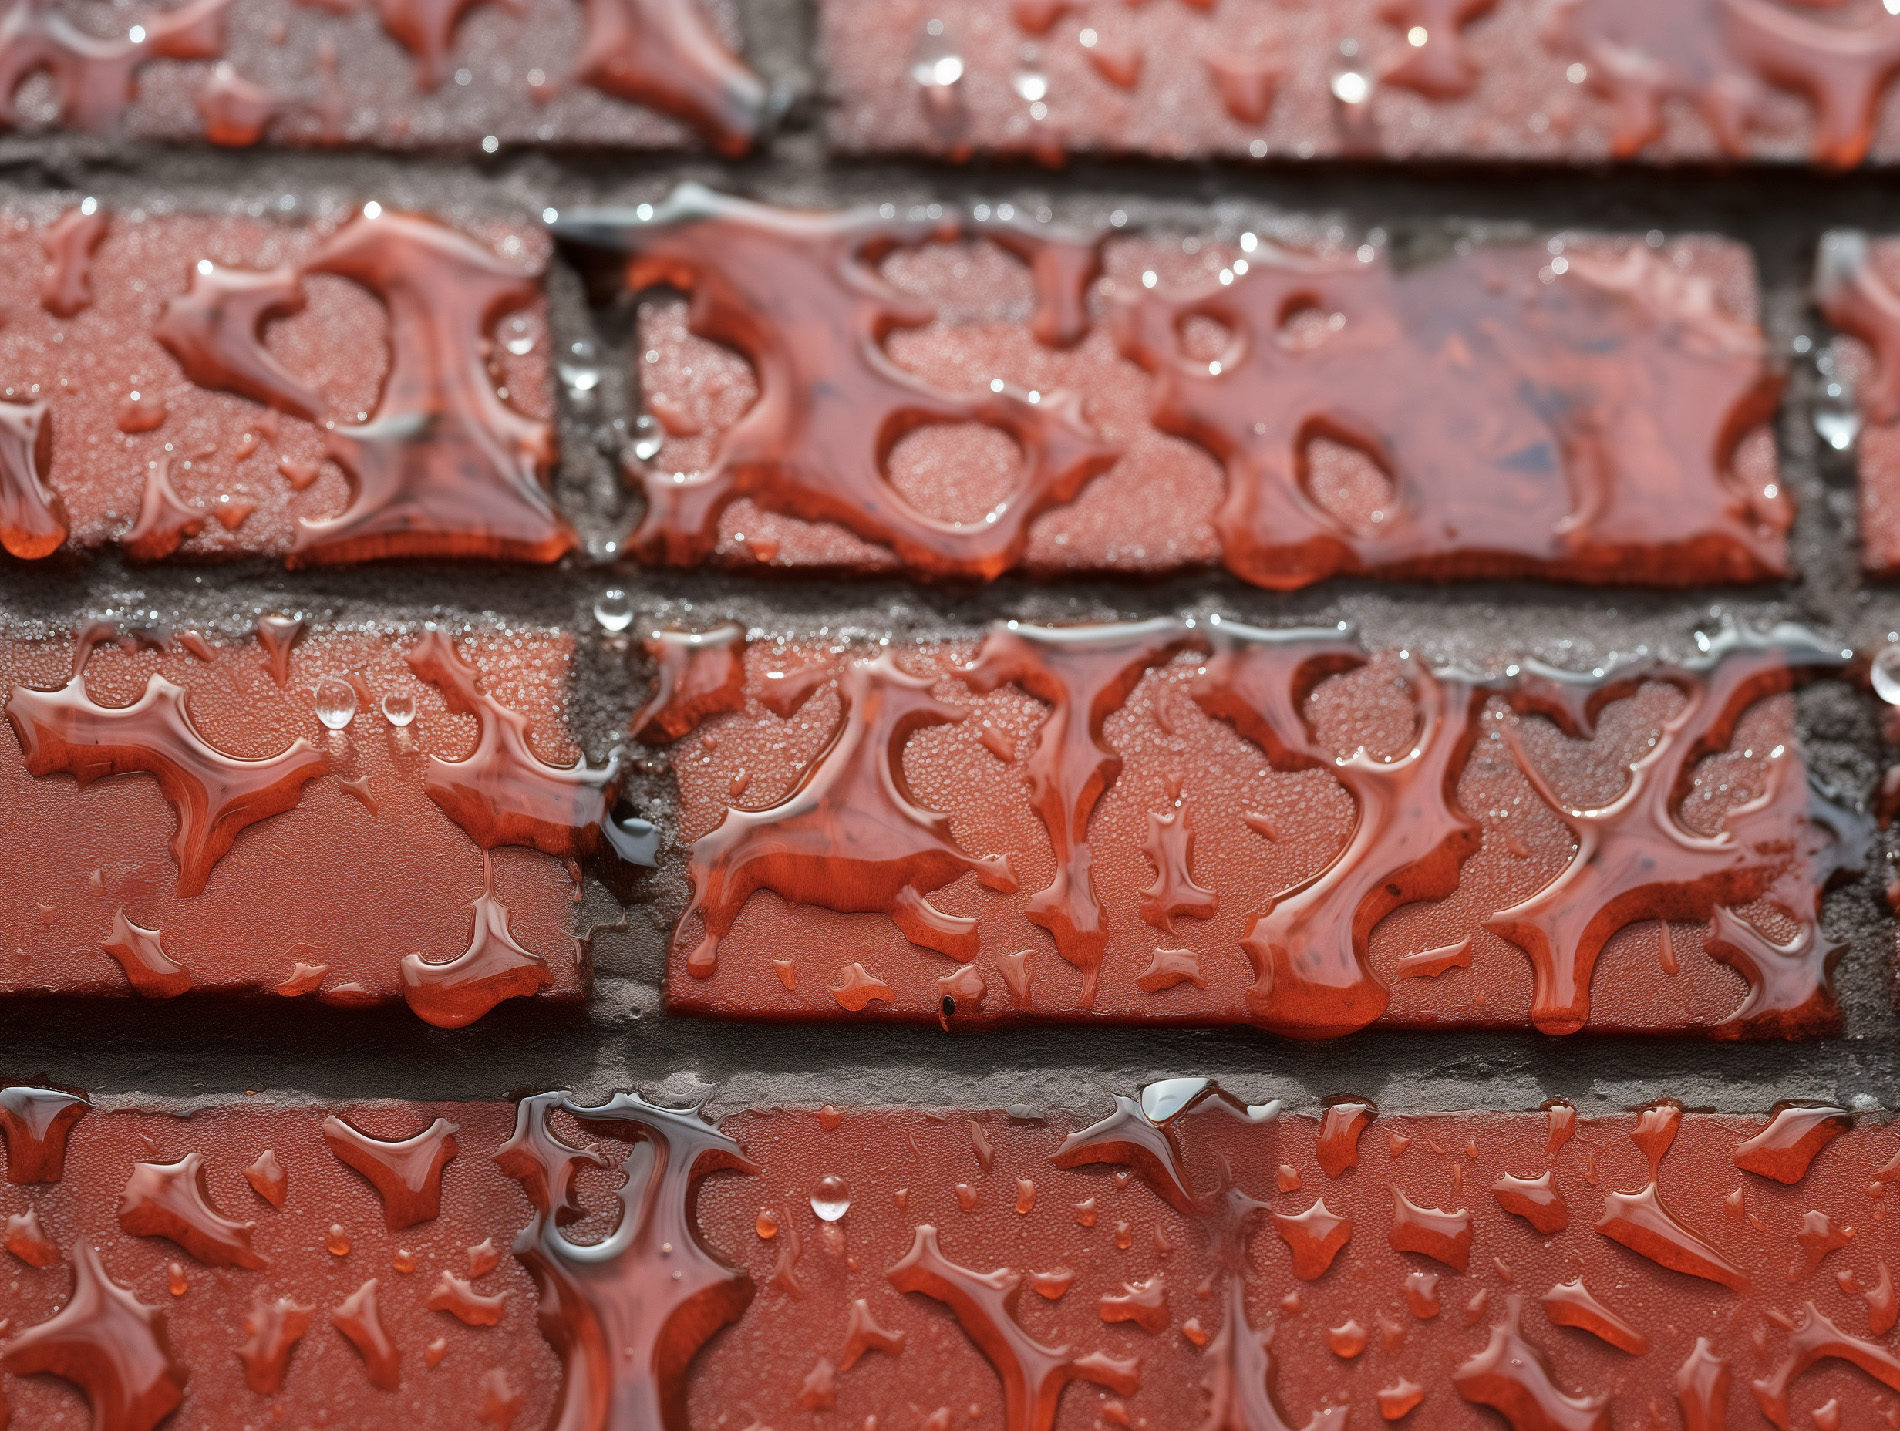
x: 647, y: 437
x: 580, y: 375
x: 614, y: 610
x: 176, y: 1280
x: 404, y: 1261
x: 399, y: 709
x: 831, y: 1199
x: 338, y: 1241
x: 767, y: 1224
x: 336, y: 703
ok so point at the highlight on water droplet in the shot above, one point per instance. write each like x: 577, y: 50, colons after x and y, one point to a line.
x: 614, y: 610
x: 831, y: 1199
x: 399, y: 709
x: 1886, y: 674
x: 647, y: 437
x: 336, y: 702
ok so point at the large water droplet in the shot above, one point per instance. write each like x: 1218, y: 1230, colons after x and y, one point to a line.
x: 399, y: 709
x: 614, y: 610
x: 1837, y: 427
x: 934, y: 62
x: 336, y: 703
x: 938, y: 73
x: 1886, y: 675
x: 831, y: 1199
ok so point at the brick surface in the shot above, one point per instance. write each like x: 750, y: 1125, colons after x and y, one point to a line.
x: 1187, y: 1257
x: 318, y: 392
x: 1233, y: 1281
x: 241, y: 845
x: 949, y: 397
x: 641, y: 74
x: 1857, y: 289
x: 522, y: 489
x: 1405, y: 79
x: 1210, y: 823
x: 170, y: 1264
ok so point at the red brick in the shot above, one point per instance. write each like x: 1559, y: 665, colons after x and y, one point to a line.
x: 229, y: 386
x: 339, y: 865
x: 216, y: 1254
x: 1512, y: 80
x: 913, y: 831
x: 1202, y: 1218
x: 1857, y: 288
x: 1134, y: 414
x: 643, y: 74
x: 906, y: 1264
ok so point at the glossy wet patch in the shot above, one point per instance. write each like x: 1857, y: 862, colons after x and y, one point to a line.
x: 953, y: 396
x: 225, y: 387
x: 341, y: 815
x: 1208, y: 823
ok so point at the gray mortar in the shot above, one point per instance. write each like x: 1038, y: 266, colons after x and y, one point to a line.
x: 207, y: 1050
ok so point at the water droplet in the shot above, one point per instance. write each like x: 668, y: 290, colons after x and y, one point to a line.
x: 647, y: 437
x: 399, y: 709
x: 767, y: 1224
x: 338, y: 1241
x: 580, y: 375
x: 1837, y: 428
x: 614, y: 610
x: 938, y: 73
x: 175, y: 1280
x: 1350, y: 87
x: 336, y: 702
x: 831, y: 1199
x: 1886, y: 675
x: 404, y: 1260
